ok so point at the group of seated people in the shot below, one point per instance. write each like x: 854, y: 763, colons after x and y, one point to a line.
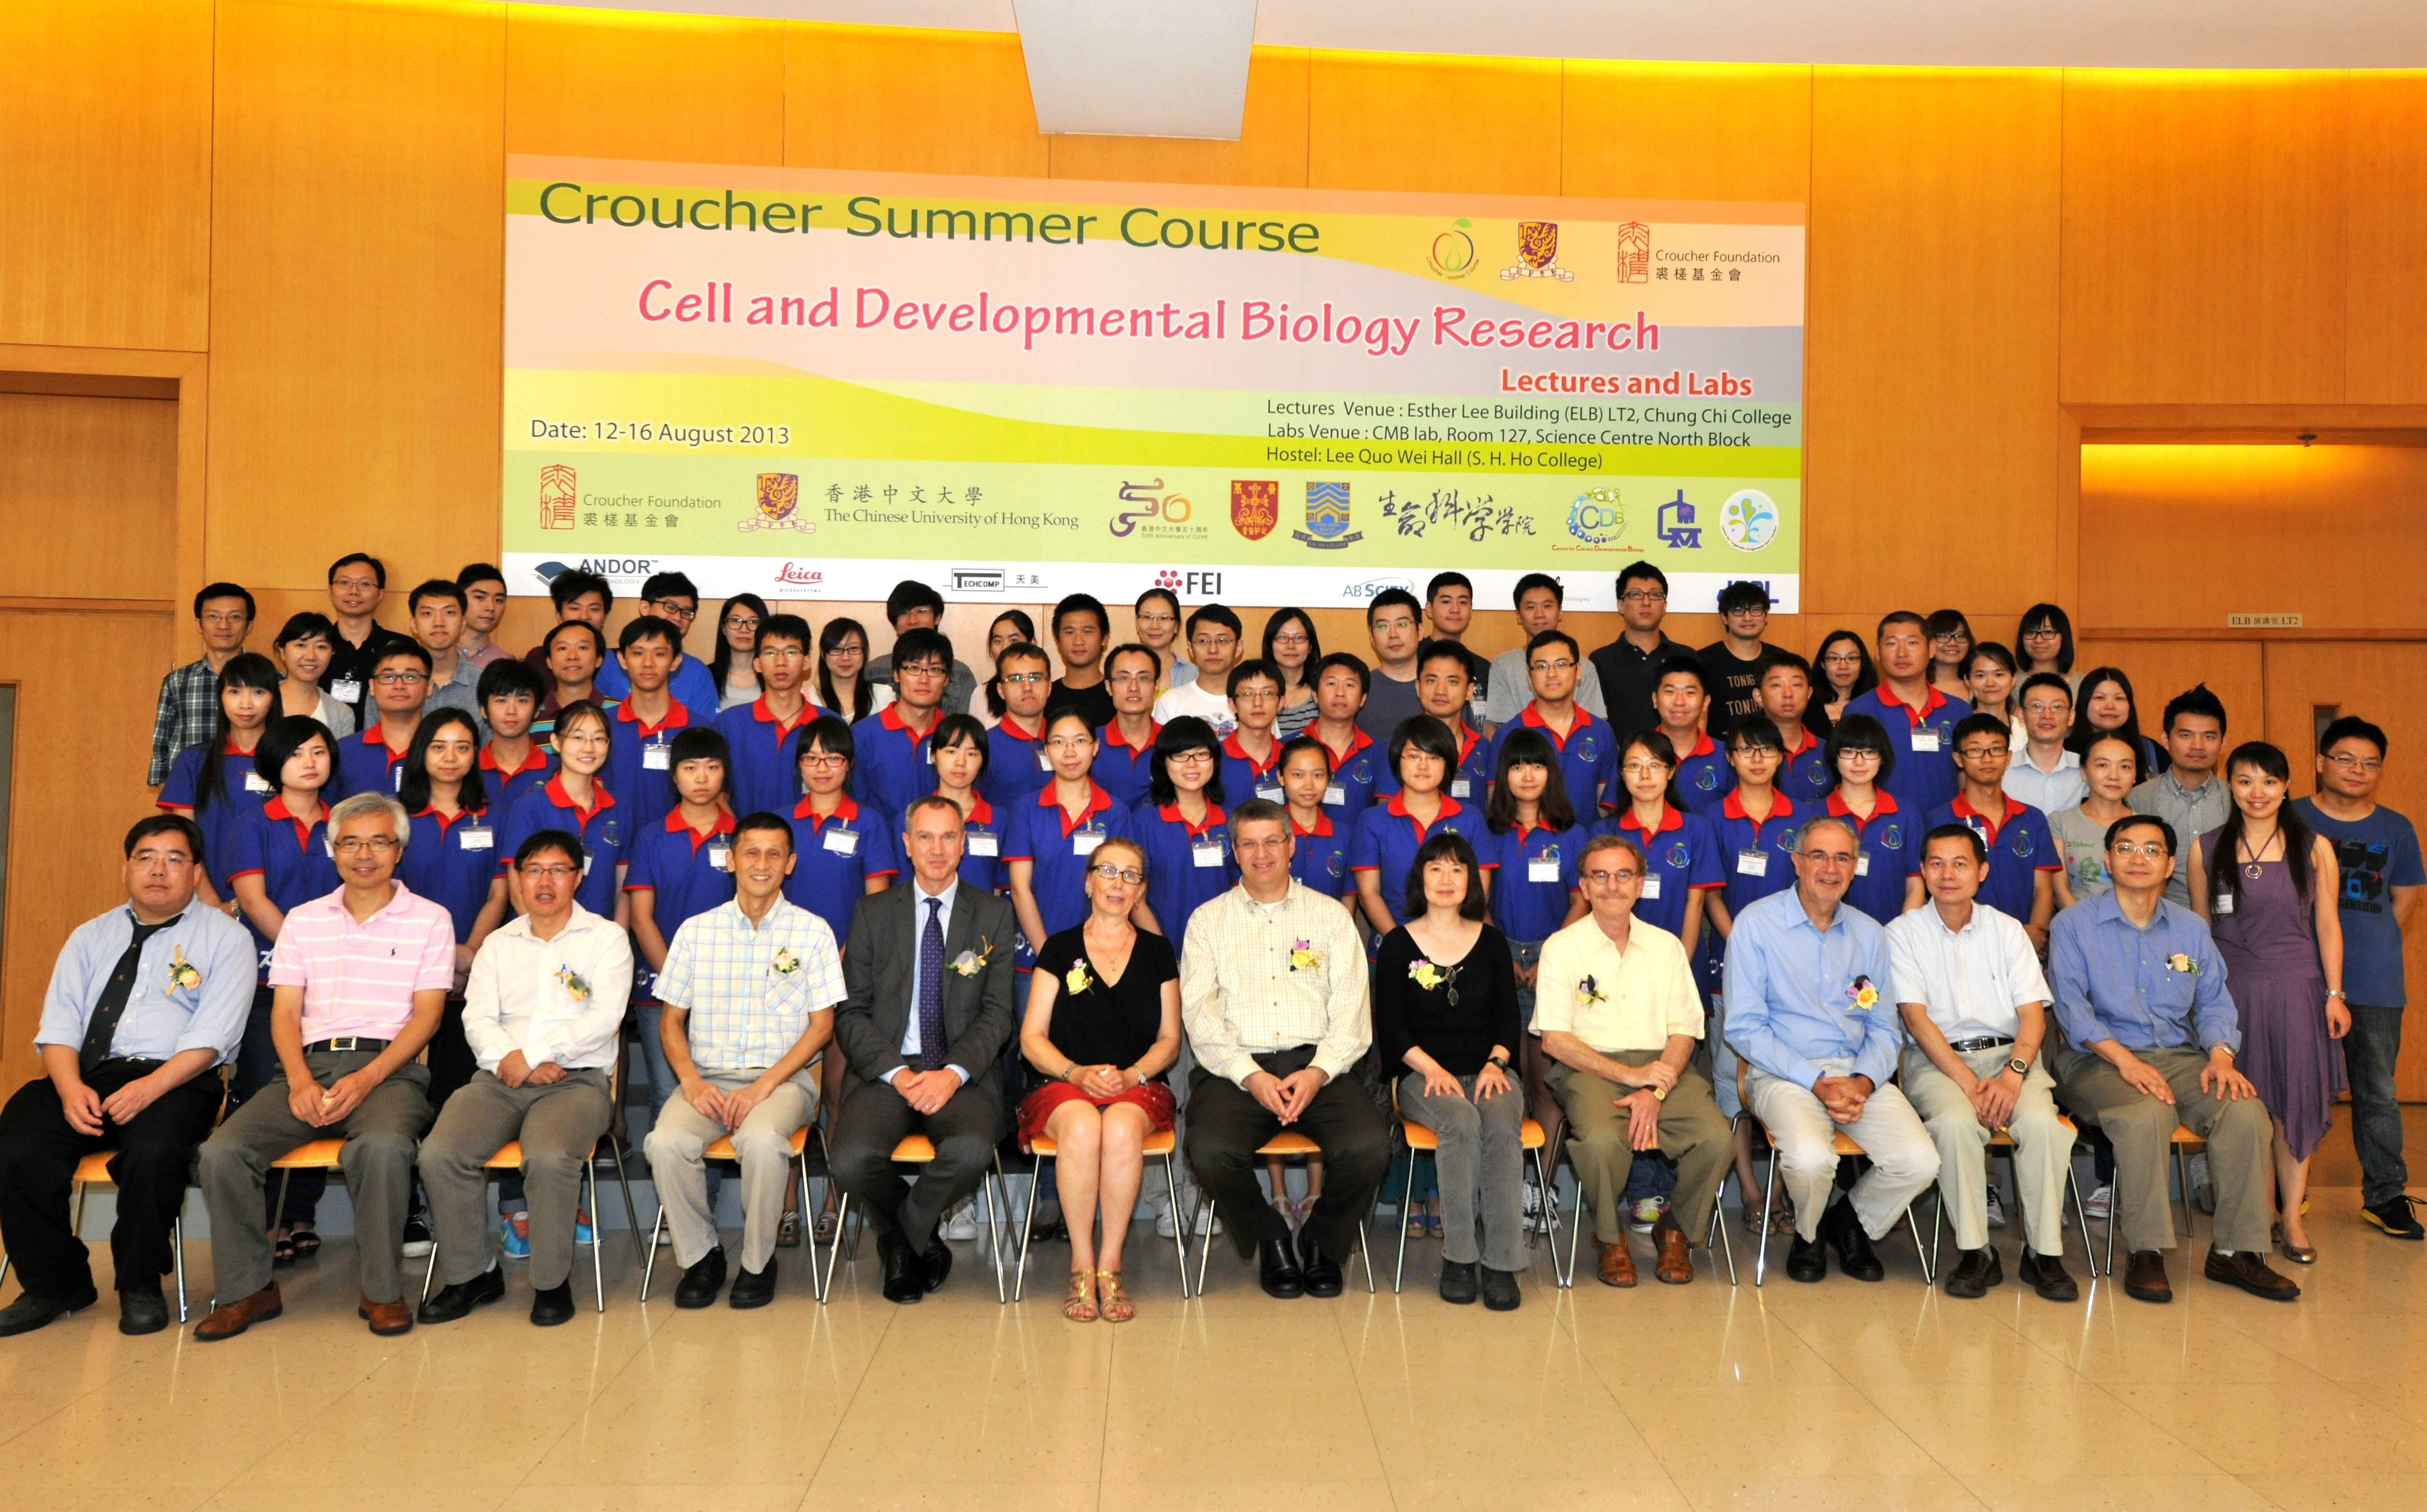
x: 1211, y: 924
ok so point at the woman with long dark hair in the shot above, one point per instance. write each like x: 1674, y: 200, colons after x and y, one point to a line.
x: 1183, y: 828
x: 2043, y: 642
x: 450, y: 857
x: 1950, y: 650
x: 736, y: 645
x: 1532, y: 839
x: 2105, y: 707
x: 1843, y: 670
x: 1291, y: 644
x: 2269, y: 888
x: 214, y: 783
x: 842, y: 672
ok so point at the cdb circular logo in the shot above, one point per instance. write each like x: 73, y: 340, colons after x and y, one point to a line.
x: 1595, y: 518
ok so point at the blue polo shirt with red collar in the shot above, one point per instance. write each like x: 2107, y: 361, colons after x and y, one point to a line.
x: 1534, y: 876
x: 1179, y: 877
x: 766, y: 756
x: 1244, y: 777
x: 1387, y: 837
x: 1356, y: 780
x: 981, y: 838
x: 1059, y: 850
x: 892, y: 766
x: 2020, y: 848
x: 1888, y: 849
x: 834, y: 855
x: 292, y: 859
x: 365, y: 765
x: 452, y: 862
x: 1923, y: 741
x: 1741, y: 838
x: 1805, y: 774
x: 1681, y: 853
x: 1469, y: 782
x: 640, y: 769
x: 1124, y: 770
x: 244, y: 791
x: 1016, y: 763
x: 605, y: 830
x: 1319, y: 857
x: 506, y: 789
x: 1588, y: 757
x: 1704, y: 779
x: 686, y: 873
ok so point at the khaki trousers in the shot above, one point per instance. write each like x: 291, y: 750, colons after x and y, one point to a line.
x: 676, y: 1146
x: 1903, y: 1161
x: 1692, y: 1134
x: 558, y: 1124
x: 2043, y: 1150
x: 2142, y: 1129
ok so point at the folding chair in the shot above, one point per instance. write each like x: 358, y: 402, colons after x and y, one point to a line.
x: 722, y: 1150
x: 2000, y: 1139
x: 1844, y: 1146
x: 918, y: 1149
x: 93, y: 1170
x: 1280, y: 1143
x: 1716, y: 1238
x: 2185, y: 1145
x: 1163, y: 1142
x: 1423, y: 1141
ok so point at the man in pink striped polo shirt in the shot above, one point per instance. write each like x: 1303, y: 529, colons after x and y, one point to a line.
x: 360, y: 978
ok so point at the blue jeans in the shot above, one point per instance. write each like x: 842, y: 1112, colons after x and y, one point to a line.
x: 2369, y: 1050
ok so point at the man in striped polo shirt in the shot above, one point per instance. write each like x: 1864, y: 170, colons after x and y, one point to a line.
x: 360, y: 978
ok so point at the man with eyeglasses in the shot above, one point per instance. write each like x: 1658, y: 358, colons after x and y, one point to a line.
x: 671, y: 597
x: 1213, y: 634
x: 1588, y: 748
x: 1628, y: 665
x: 543, y: 1015
x: 1615, y: 1003
x: 1538, y: 599
x: 188, y: 710
x: 2376, y: 853
x: 1273, y: 994
x: 2044, y: 773
x: 357, y: 583
x: 373, y: 762
x: 764, y: 735
x: 1016, y: 765
x: 1809, y: 1013
x: 361, y: 977
x: 1125, y: 747
x: 914, y: 606
x: 2149, y: 1037
x: 891, y: 766
x: 1391, y: 620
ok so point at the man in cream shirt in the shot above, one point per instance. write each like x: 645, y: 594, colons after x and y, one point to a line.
x: 543, y: 1013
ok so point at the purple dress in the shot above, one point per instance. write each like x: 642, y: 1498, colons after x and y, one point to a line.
x: 2270, y: 945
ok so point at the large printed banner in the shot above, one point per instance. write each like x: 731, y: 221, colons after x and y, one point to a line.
x: 813, y: 384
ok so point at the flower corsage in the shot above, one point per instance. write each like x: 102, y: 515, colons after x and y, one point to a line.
x: 1304, y: 957
x: 1589, y: 992
x: 2183, y: 964
x: 969, y: 963
x: 1076, y: 979
x: 1863, y: 994
x: 184, y: 973
x: 787, y: 964
x: 576, y: 987
x: 1427, y: 975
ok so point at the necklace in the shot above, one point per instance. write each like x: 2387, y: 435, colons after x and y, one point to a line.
x: 2250, y: 868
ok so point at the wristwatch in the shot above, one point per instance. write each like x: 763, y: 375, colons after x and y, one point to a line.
x: 2019, y: 1066
x: 1500, y: 1061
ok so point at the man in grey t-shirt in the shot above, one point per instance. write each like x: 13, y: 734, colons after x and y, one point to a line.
x: 2189, y: 796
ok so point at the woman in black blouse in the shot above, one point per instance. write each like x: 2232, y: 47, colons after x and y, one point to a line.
x: 1096, y: 1084
x: 1445, y: 1007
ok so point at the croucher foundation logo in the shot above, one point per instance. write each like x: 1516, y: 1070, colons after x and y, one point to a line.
x: 557, y: 496
x: 1538, y: 252
x: 1255, y: 506
x: 1634, y: 252
x: 1327, y: 518
x: 779, y: 504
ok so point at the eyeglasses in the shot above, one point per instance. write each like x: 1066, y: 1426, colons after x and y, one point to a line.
x: 1113, y: 873
x: 1604, y: 879
x: 2046, y: 632
x: 375, y: 844
x: 2154, y: 850
x: 673, y: 609
x: 1289, y: 638
x: 1188, y: 759
x: 1208, y: 638
x: 398, y: 680
x: 2359, y: 764
x: 554, y: 873
x: 1944, y: 636
x: 1976, y: 751
x: 1156, y: 617
x: 1020, y: 679
x: 1563, y: 664
x: 1841, y: 858
x: 821, y: 759
x: 1643, y: 769
x: 2047, y: 705
x: 1643, y: 596
x: 1133, y: 676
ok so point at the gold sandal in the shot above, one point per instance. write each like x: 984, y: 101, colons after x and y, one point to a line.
x: 1116, y: 1306
x: 1080, y: 1306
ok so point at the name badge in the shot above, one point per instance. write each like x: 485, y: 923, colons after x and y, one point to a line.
x: 842, y: 842
x: 1542, y: 870
x: 1206, y: 853
x: 395, y: 777
x: 1753, y: 862
x: 585, y: 867
x: 2221, y: 904
x: 1862, y: 863
x: 1925, y: 739
x: 1270, y: 793
x: 925, y: 749
x: 255, y: 783
x: 477, y: 836
x: 1461, y: 787
x: 328, y: 848
x: 1336, y: 795
x: 1083, y: 842
x: 345, y: 690
x: 720, y: 856
x: 980, y: 843
x: 1474, y: 701
x: 1044, y: 762
x: 1651, y: 885
x: 657, y: 758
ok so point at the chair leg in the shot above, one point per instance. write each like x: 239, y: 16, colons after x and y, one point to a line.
x: 650, y: 1268
x: 1171, y: 1193
x: 1406, y: 1205
x: 1550, y: 1209
x: 1575, y: 1231
x: 1204, y: 1219
x: 1937, y: 1228
x: 808, y: 1219
x: 1769, y: 1205
x: 1718, y: 1236
x: 1028, y: 1222
x: 997, y: 1195
x: 631, y: 1215
x: 1365, y: 1249
x: 598, y: 1232
x: 430, y: 1272
x: 75, y: 1218
x: 2183, y: 1174
x: 177, y: 1248
x: 1929, y: 1270
x: 2082, y: 1216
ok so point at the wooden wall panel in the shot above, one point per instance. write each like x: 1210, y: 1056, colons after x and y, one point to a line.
x: 611, y: 84
x: 104, y: 177
x: 1931, y: 457
x: 909, y: 101
x: 2385, y: 330
x: 1686, y: 131
x: 2328, y: 533
x: 2162, y: 669
x: 1271, y: 148
x: 80, y: 479
x: 2203, y: 236
x: 63, y: 862
x: 1449, y: 125
x: 358, y: 270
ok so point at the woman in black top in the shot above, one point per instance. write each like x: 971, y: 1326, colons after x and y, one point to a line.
x: 1096, y: 1084
x: 1445, y: 1007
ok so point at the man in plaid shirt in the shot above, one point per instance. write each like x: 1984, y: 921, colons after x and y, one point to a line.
x: 189, y: 696
x: 749, y: 989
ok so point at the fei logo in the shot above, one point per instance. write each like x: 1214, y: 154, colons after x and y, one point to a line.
x: 557, y: 496
x: 1191, y: 584
x: 1677, y: 528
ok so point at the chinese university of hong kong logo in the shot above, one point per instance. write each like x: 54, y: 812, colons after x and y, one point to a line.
x: 1327, y: 518
x: 557, y: 496
x: 779, y: 504
x: 1255, y: 508
x: 1635, y: 252
x: 1538, y: 252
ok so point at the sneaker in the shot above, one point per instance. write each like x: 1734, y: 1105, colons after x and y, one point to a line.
x: 1208, y: 1225
x: 417, y: 1237
x: 2101, y: 1202
x: 1996, y: 1210
x: 1534, y: 1224
x: 961, y: 1224
x: 2393, y: 1215
x: 513, y: 1234
x: 582, y: 1231
x: 1164, y: 1227
x: 1648, y: 1212
x: 2202, y: 1190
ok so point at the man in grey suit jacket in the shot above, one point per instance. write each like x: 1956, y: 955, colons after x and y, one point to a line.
x: 927, y: 1008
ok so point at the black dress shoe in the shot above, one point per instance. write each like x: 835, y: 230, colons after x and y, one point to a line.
x: 702, y: 1280
x: 1500, y: 1292
x: 1974, y: 1273
x: 1457, y: 1281
x: 142, y: 1312
x: 29, y: 1312
x: 754, y: 1289
x: 1807, y: 1260
x: 905, y: 1278
x: 456, y: 1299
x: 1320, y: 1272
x: 1843, y: 1233
x: 936, y: 1263
x: 1276, y: 1268
x: 2045, y: 1274
x: 552, y: 1305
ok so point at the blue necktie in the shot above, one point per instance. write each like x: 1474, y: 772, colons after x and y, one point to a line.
x: 931, y: 988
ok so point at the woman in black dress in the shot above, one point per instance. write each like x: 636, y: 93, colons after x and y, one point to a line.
x: 1445, y: 1009
x: 1096, y: 1080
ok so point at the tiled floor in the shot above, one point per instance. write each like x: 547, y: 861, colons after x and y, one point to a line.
x: 1808, y: 1397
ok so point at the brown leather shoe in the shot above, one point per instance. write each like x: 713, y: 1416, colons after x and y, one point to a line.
x: 2248, y: 1270
x: 386, y: 1318
x: 1675, y: 1266
x: 2145, y: 1278
x: 1616, y: 1266
x: 235, y: 1318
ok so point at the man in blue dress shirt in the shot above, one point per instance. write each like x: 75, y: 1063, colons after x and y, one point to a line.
x: 2150, y: 1035
x: 1809, y: 1013
x: 145, y: 1002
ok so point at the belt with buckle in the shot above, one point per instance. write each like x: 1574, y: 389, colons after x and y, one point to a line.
x: 1965, y: 1047
x: 344, y: 1043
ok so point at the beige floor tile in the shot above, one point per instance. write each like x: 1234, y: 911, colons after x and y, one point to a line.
x: 1700, y: 1430
x: 123, y: 1498
x: 1930, y: 1491
x: 354, y: 1441
x: 742, y: 1438
x: 2115, y: 1493
x: 2262, y: 1429
x: 1212, y: 1492
x: 1646, y: 1489
x: 538, y: 1497
x: 2326, y: 1490
x: 362, y: 1494
x: 183, y: 1441
x: 1234, y: 1425
x: 1552, y: 1428
x: 1008, y: 1436
x: 2055, y: 1427
x: 950, y: 1496
x: 2128, y: 1342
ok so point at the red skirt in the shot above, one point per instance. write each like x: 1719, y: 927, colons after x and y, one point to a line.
x: 1153, y: 1097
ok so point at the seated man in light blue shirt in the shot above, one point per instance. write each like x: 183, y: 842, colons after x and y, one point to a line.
x: 1809, y: 1014
x: 2150, y: 1035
